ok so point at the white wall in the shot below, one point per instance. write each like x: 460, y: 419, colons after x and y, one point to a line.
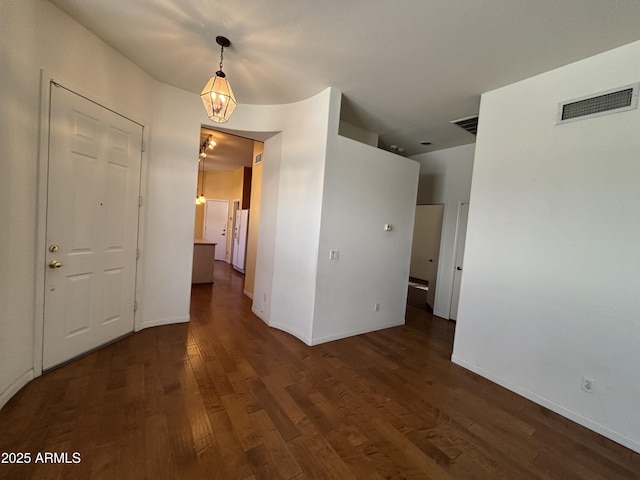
x: 358, y: 134
x: 551, y: 286
x: 445, y: 177
x: 169, y: 209
x: 37, y: 35
x: 365, y: 188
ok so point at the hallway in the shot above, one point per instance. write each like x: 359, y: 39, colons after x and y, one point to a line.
x: 227, y: 397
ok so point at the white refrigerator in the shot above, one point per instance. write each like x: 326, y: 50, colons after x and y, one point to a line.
x: 240, y: 239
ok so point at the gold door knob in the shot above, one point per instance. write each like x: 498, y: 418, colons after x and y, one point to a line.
x: 54, y: 264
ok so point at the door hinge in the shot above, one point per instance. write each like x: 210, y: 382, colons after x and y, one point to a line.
x: 140, y: 201
x: 138, y: 254
x: 135, y: 305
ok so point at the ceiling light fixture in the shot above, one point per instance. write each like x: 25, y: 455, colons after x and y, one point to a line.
x: 217, y: 95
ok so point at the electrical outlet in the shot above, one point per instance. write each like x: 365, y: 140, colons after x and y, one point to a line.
x: 588, y: 384
x: 376, y: 307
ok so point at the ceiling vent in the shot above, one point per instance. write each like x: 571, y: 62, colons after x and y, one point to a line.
x: 470, y: 124
x: 603, y: 103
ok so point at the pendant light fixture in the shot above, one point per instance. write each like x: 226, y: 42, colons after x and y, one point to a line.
x: 217, y: 95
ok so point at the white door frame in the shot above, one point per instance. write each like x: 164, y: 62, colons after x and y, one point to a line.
x: 41, y: 228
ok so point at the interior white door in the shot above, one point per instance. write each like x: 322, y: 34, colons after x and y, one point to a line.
x: 92, y: 226
x: 425, y: 249
x: 461, y: 234
x: 215, y: 225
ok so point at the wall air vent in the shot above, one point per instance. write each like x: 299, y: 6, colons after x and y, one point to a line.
x: 603, y: 103
x: 258, y: 159
x: 470, y: 124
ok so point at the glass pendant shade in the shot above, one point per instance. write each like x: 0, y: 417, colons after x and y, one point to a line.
x: 218, y: 98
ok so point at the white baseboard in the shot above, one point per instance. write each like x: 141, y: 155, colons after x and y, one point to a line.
x: 259, y: 314
x: 281, y: 327
x: 162, y: 321
x: 15, y: 387
x: 441, y: 313
x: 329, y: 338
x: 559, y: 409
x: 351, y: 333
x: 285, y: 328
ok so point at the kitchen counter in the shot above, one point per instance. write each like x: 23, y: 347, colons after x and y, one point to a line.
x: 204, y: 252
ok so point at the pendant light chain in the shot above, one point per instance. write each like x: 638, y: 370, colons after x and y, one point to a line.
x: 221, y: 56
x: 201, y: 174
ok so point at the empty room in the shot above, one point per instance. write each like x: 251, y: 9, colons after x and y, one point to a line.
x: 135, y: 343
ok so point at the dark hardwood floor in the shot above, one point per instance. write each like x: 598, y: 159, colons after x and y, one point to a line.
x: 226, y: 397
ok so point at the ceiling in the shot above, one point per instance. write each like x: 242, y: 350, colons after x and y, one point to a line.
x: 230, y: 152
x: 406, y: 68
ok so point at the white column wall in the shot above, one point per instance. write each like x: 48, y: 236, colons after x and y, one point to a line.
x: 169, y: 207
x: 365, y: 188
x: 267, y: 227
x: 550, y: 291
x: 311, y: 178
x: 293, y: 178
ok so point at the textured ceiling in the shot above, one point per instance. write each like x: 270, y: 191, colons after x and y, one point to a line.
x: 406, y: 67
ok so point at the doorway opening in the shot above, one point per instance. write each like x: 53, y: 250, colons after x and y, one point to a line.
x: 425, y: 252
x: 227, y: 202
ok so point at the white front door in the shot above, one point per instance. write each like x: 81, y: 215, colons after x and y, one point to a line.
x: 92, y: 226
x: 461, y: 234
x: 215, y: 225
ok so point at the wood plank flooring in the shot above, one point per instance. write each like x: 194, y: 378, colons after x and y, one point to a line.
x: 226, y: 397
